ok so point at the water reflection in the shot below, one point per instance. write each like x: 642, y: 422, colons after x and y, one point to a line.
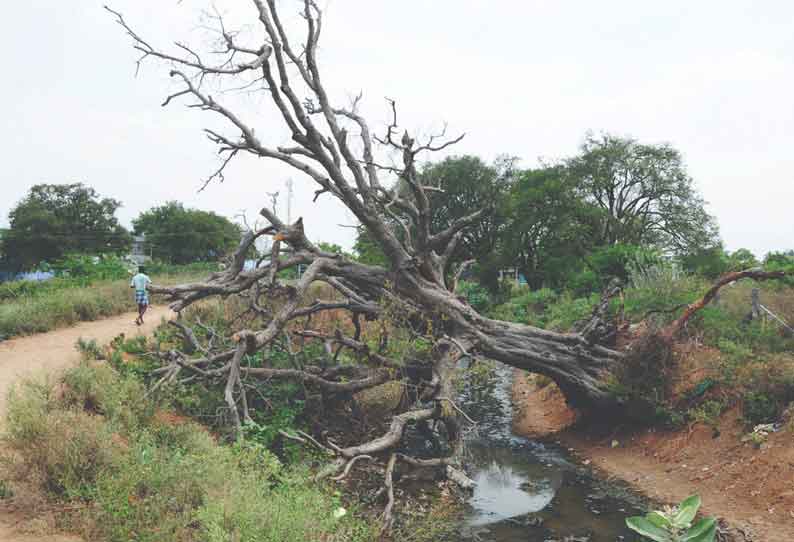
x: 507, y: 488
x: 527, y: 490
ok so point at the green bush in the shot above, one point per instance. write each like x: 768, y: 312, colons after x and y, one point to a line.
x: 661, y: 291
x: 707, y: 412
x: 568, y: 311
x: 546, y: 308
x: 476, y: 295
x: 246, y: 509
x: 99, y: 389
x: 61, y: 448
x: 91, y: 439
x: 759, y: 407
x: 155, y: 492
x: 92, y: 268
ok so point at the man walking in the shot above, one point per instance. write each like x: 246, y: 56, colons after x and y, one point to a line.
x: 140, y: 282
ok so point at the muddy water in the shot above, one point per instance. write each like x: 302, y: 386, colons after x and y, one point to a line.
x: 531, y: 491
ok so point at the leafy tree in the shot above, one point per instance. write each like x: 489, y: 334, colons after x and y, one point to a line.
x: 459, y: 186
x: 179, y: 235
x: 58, y: 219
x: 332, y: 247
x: 781, y: 258
x: 742, y: 259
x: 710, y: 262
x: 367, y: 250
x: 548, y: 228
x: 644, y: 193
x: 463, y: 185
x: 715, y: 261
x: 781, y: 261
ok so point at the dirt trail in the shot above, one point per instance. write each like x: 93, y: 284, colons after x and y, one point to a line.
x: 46, y: 352
x: 49, y: 352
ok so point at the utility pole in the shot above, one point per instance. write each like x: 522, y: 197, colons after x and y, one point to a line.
x: 273, y: 201
x: 290, y: 193
x: 289, y: 201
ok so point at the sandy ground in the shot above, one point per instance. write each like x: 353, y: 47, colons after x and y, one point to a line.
x: 49, y: 352
x: 753, y: 489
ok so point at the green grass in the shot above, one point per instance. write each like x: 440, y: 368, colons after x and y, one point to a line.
x: 28, y: 308
x: 124, y: 467
x: 58, y: 308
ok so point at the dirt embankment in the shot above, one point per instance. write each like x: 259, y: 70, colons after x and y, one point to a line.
x: 47, y: 353
x: 753, y: 489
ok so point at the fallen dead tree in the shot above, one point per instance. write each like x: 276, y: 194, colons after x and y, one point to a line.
x: 334, y: 148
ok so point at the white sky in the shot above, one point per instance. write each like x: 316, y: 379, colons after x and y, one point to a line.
x: 527, y: 78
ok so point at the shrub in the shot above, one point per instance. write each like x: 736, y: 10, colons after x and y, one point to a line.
x: 64, y: 450
x: 675, y: 524
x: 99, y: 389
x: 546, y: 308
x: 707, y: 412
x: 90, y: 437
x: 661, y: 290
x: 155, y: 491
x: 759, y: 407
x: 476, y: 295
x: 92, y: 268
x: 569, y: 311
x: 526, y: 307
x: 246, y: 509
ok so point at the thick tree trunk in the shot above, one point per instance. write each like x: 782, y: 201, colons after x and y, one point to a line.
x: 582, y: 369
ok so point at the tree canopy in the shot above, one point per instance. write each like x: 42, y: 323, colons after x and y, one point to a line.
x: 644, y: 193
x: 179, y: 235
x: 57, y: 219
x: 548, y: 228
x: 580, y: 221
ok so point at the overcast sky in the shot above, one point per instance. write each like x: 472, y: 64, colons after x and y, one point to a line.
x: 526, y: 78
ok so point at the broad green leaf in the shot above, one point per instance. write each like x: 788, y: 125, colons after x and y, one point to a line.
x: 647, y: 529
x: 687, y: 511
x: 658, y: 519
x: 703, y: 531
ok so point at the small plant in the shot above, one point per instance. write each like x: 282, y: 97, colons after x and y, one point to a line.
x: 708, y: 412
x: 759, y: 407
x: 476, y: 295
x: 674, y: 524
x: 5, y: 490
x: 89, y: 348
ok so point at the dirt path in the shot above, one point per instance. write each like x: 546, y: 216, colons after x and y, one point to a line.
x: 45, y: 352
x: 751, y: 488
x: 49, y: 352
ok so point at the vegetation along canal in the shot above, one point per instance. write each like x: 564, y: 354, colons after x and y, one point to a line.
x: 529, y: 490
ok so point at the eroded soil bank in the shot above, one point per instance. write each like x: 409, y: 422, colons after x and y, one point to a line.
x: 752, y: 489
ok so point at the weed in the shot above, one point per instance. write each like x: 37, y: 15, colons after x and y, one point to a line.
x: 707, y: 412
x: 759, y: 407
x: 5, y: 490
x: 675, y: 524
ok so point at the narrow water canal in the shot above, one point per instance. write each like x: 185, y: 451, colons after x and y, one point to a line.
x: 531, y: 491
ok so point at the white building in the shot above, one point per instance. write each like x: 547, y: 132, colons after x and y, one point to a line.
x: 138, y: 252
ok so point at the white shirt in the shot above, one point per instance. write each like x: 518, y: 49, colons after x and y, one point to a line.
x: 140, y: 282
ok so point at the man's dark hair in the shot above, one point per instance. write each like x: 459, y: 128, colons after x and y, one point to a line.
x: 141, y: 269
